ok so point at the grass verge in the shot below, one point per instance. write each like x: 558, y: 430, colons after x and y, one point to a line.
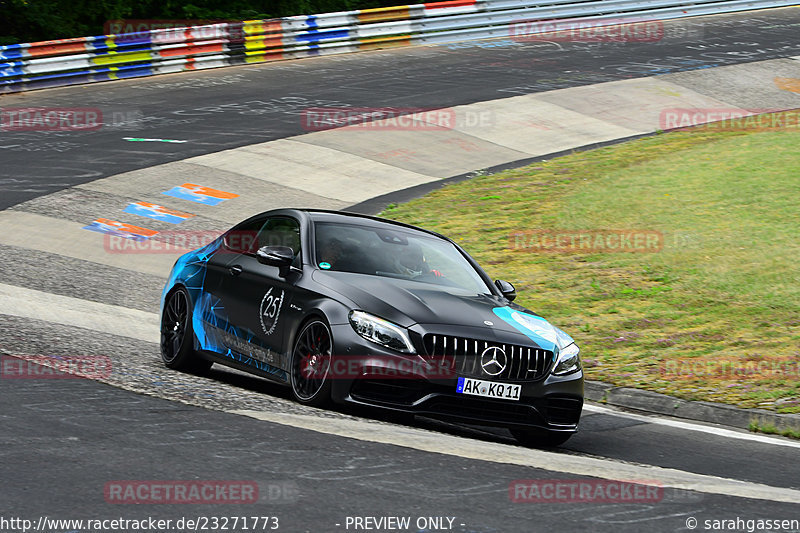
x: 714, y: 315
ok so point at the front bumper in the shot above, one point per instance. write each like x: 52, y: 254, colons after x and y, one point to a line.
x: 382, y: 378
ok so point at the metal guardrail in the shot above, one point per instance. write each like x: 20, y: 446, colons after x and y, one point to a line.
x: 107, y: 57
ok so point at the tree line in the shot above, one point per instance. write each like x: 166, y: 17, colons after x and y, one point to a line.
x: 40, y: 20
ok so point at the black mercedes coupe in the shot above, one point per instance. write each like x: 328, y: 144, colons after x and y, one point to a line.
x: 357, y: 309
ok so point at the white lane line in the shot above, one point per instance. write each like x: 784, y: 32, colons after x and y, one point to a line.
x: 113, y: 319
x: 141, y: 325
x: 689, y: 426
x: 139, y: 139
x: 429, y: 441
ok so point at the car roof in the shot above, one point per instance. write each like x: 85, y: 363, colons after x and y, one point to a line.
x: 327, y: 215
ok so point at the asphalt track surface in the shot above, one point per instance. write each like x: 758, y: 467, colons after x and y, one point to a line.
x: 226, y: 108
x: 63, y: 440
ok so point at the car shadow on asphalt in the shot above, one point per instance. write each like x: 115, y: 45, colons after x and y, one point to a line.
x: 239, y: 379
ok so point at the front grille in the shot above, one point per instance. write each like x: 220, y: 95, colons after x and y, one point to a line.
x: 463, y: 356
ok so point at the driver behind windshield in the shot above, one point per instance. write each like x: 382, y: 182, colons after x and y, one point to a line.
x: 412, y: 263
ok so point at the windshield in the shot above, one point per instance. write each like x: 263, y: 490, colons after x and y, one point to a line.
x: 394, y: 253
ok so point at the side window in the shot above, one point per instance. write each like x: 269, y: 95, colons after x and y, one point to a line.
x: 281, y: 231
x: 242, y: 238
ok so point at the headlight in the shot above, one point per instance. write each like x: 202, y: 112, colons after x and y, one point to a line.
x: 569, y: 361
x: 380, y: 331
x: 562, y: 339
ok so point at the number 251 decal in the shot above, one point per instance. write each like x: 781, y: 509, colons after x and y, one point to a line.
x: 270, y: 310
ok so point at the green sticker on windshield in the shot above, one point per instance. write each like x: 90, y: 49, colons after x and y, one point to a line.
x: 324, y: 265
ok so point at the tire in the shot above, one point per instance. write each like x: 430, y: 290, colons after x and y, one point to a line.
x: 311, y: 358
x: 540, y: 438
x: 177, y: 335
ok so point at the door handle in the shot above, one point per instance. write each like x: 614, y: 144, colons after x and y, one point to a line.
x: 235, y: 270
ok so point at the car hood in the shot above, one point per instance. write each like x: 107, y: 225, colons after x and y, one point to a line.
x: 407, y: 302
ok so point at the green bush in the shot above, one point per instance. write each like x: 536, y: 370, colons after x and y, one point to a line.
x: 39, y: 20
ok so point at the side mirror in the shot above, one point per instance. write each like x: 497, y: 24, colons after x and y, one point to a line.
x: 277, y: 256
x: 506, y: 289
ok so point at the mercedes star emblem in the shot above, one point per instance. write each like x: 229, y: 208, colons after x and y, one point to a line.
x: 493, y: 360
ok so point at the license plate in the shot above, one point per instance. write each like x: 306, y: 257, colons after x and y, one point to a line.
x: 488, y: 389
